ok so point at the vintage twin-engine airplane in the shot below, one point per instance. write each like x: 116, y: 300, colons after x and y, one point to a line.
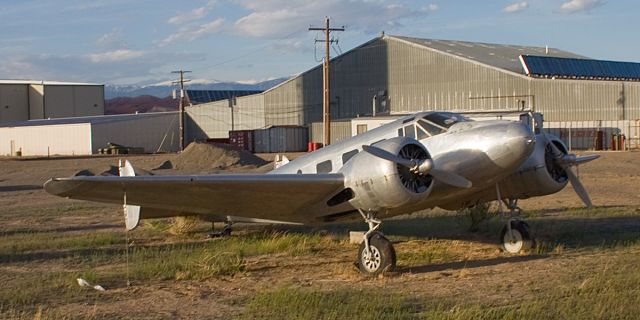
x: 421, y: 161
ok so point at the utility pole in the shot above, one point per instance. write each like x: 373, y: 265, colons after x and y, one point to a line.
x: 182, y: 103
x: 326, y: 85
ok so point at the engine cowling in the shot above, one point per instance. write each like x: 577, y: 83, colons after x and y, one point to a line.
x: 379, y: 184
x: 541, y: 174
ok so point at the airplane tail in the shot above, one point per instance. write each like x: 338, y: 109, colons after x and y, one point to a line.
x: 131, y: 212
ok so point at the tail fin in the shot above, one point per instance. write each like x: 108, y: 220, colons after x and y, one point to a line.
x: 131, y: 212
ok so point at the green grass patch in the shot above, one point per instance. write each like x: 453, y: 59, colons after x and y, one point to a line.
x: 20, y: 243
x: 294, y: 303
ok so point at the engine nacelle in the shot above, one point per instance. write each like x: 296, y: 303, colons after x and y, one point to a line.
x: 379, y: 184
x: 540, y: 174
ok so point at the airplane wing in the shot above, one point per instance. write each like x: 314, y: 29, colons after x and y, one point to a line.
x: 282, y: 197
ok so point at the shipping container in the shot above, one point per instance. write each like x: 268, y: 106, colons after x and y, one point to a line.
x: 281, y: 139
x: 242, y: 139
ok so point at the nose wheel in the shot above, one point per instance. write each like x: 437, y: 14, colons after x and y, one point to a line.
x: 379, y: 256
x: 376, y: 253
x: 515, y: 235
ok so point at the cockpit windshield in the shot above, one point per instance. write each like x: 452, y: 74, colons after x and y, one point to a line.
x: 445, y: 119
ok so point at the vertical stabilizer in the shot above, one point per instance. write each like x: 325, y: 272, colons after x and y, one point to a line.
x: 131, y: 212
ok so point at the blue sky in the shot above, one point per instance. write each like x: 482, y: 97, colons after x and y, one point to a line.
x: 141, y: 41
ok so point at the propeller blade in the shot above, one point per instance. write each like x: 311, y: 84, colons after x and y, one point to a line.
x: 384, y: 154
x: 426, y: 167
x: 585, y: 159
x: 450, y: 178
x: 556, y: 152
x: 579, y: 188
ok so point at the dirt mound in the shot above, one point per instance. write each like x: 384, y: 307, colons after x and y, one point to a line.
x: 199, y: 156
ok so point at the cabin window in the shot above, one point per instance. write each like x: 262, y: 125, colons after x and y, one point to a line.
x: 324, y: 167
x: 422, y: 134
x: 400, y: 133
x: 432, y: 129
x: 410, y: 131
x: 348, y: 155
x: 445, y: 119
x: 361, y: 128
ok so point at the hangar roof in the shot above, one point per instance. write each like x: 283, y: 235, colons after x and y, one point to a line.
x: 49, y: 83
x: 503, y: 56
x: 204, y: 96
x: 89, y: 119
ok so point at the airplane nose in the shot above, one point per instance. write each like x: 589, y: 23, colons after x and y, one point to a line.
x: 521, y: 140
x: 513, y: 143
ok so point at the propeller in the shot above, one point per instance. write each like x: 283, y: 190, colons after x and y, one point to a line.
x: 421, y: 167
x: 566, y: 161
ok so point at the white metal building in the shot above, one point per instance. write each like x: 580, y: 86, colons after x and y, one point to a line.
x: 85, y: 135
x: 22, y: 100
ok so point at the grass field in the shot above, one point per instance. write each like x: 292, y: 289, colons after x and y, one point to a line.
x: 584, y: 266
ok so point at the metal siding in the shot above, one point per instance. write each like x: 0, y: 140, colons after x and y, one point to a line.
x: 213, y: 120
x: 581, y: 100
x: 88, y: 100
x: 58, y: 102
x: 36, y: 101
x: 68, y: 139
x: 421, y: 79
x: 14, y: 104
x: 281, y: 139
x: 340, y: 130
x: 153, y: 133
x: 355, y: 78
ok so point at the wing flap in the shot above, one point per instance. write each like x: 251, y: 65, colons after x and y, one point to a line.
x: 282, y: 197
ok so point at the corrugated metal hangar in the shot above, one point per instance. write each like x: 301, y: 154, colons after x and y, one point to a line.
x: 27, y: 100
x: 154, y: 132
x: 397, y: 75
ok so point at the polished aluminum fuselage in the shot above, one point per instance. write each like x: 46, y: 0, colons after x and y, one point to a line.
x: 483, y: 152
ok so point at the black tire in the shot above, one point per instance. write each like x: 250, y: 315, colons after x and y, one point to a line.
x: 383, y: 259
x: 521, y: 240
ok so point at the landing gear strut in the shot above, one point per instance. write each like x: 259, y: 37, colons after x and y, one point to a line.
x: 515, y: 235
x: 376, y: 254
x: 226, y: 231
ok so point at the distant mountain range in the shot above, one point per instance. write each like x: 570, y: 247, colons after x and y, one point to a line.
x: 164, y: 89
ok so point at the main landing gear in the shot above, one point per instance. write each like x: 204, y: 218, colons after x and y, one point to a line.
x: 515, y: 235
x: 376, y: 254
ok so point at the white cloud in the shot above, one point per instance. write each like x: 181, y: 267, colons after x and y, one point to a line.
x: 194, y: 32
x: 432, y: 7
x: 516, y: 7
x: 279, y: 18
x: 111, y: 39
x: 574, y: 6
x: 183, y: 17
x: 115, y: 56
x: 111, y: 67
